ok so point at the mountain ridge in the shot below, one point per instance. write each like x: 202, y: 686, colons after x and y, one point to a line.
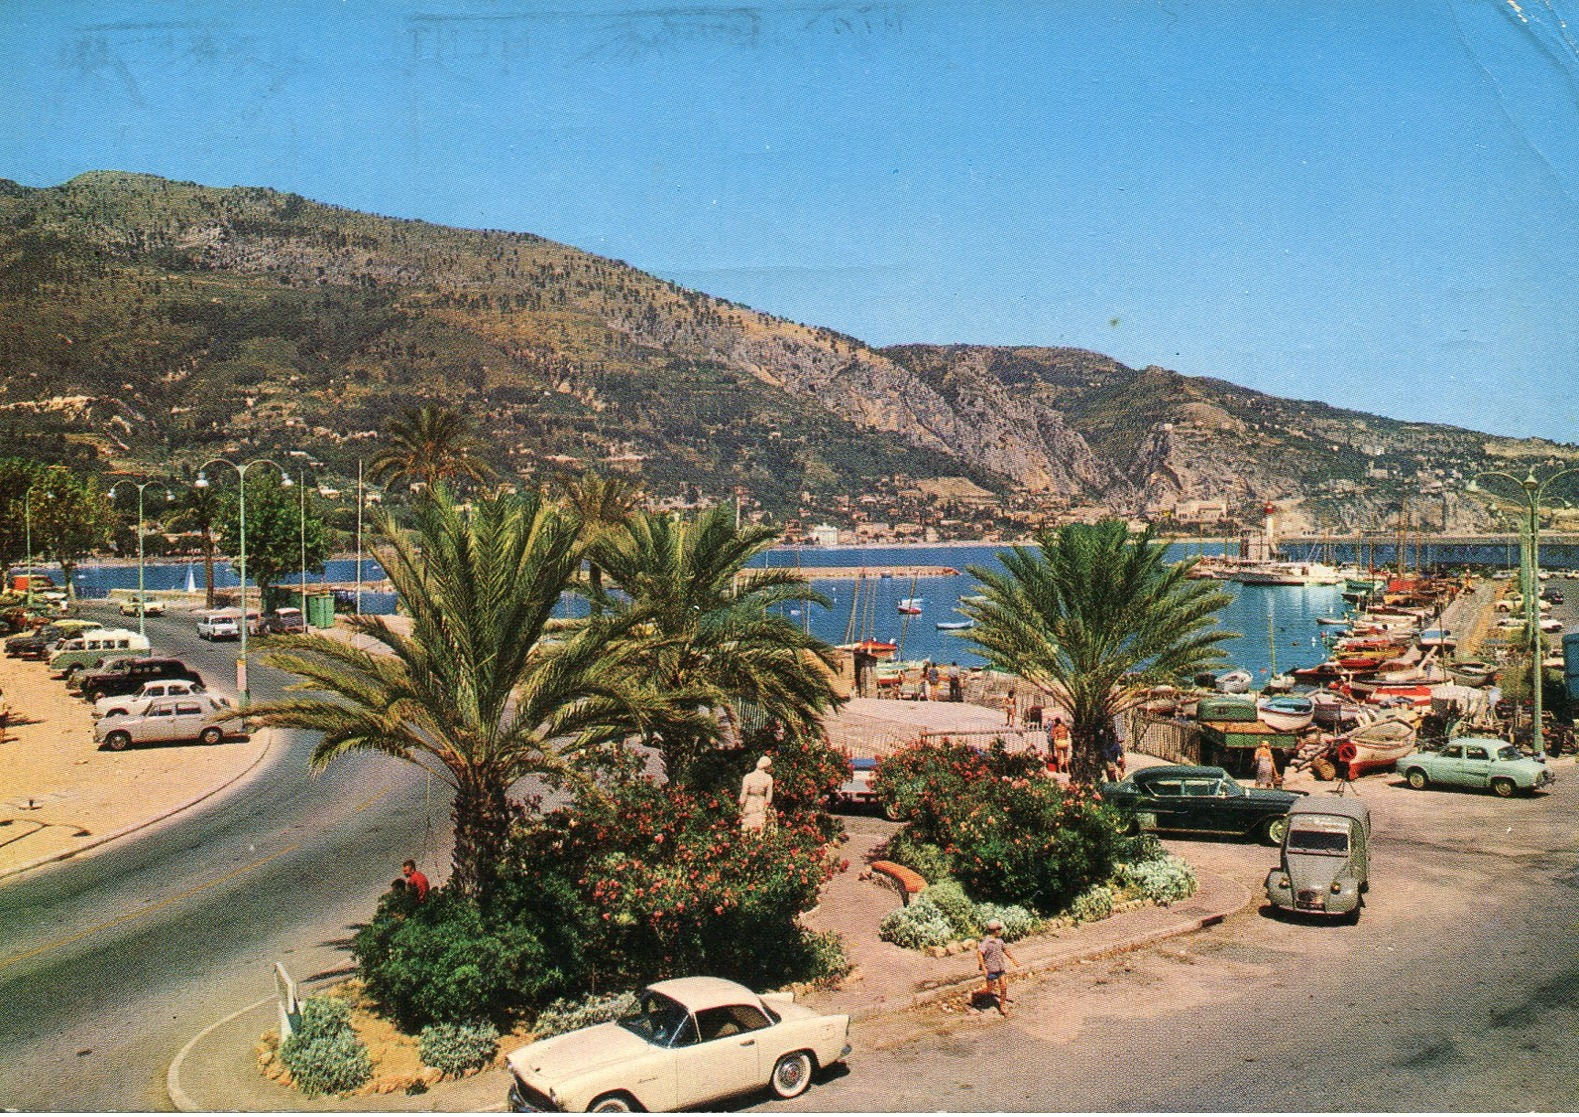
x: 194, y: 317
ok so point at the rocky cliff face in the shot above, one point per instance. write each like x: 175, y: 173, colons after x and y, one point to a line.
x: 247, y: 310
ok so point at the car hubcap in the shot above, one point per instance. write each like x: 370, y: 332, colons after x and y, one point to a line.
x: 789, y: 1074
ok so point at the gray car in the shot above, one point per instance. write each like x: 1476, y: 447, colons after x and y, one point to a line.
x: 1326, y: 859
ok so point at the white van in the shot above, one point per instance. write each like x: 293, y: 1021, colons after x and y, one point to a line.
x: 92, y: 648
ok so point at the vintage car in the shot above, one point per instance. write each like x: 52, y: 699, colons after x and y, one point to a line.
x: 89, y: 650
x: 1326, y: 859
x: 220, y: 624
x: 128, y: 674
x: 689, y: 1041
x: 1191, y: 799
x: 1476, y: 762
x: 36, y: 644
x: 137, y: 703
x: 152, y: 607
x: 282, y: 622
x: 188, y: 717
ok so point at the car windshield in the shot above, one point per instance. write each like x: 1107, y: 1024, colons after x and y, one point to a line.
x: 655, y: 1018
x: 1331, y: 841
x: 1508, y: 752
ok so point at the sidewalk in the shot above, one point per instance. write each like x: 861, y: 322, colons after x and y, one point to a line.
x: 218, y: 1069
x: 60, y: 795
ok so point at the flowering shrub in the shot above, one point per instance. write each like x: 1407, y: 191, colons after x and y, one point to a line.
x: 1028, y: 842
x: 457, y: 1049
x: 807, y: 771
x: 1017, y: 921
x: 660, y: 880
x: 323, y: 1054
x: 916, y: 927
x: 922, y: 782
x: 1095, y: 902
x: 1163, y: 880
x: 566, y: 1015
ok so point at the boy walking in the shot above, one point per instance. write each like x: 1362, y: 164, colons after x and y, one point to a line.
x: 995, y: 957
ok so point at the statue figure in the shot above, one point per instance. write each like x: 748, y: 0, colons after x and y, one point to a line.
x: 756, y: 797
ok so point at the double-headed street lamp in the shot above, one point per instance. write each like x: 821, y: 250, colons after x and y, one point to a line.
x: 27, y: 517
x: 1533, y: 491
x: 241, y: 475
x: 142, y: 594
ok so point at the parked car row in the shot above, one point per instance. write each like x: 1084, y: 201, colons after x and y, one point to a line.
x: 225, y: 624
x: 137, y: 697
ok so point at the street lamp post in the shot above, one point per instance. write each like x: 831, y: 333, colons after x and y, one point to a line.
x: 301, y: 492
x: 1529, y: 576
x: 27, y: 517
x: 142, y: 594
x: 241, y: 516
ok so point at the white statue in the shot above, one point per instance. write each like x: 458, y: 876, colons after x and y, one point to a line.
x: 756, y: 797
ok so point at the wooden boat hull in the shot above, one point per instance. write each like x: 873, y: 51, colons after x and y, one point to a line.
x: 1376, y: 745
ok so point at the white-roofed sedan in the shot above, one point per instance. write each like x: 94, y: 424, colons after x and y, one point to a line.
x: 688, y: 1042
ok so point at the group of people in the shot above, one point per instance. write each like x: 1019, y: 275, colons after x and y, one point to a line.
x: 932, y: 677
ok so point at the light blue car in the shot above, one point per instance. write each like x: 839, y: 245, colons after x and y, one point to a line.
x: 1476, y: 762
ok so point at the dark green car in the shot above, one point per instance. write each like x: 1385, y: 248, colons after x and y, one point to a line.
x: 1191, y: 799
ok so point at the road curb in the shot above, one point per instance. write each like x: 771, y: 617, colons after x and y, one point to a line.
x: 172, y: 1077
x: 1060, y: 959
x: 104, y: 839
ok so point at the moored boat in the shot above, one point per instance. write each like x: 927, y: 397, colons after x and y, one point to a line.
x: 910, y: 606
x: 955, y: 626
x: 1233, y: 682
x: 882, y: 649
x: 1376, y: 745
x: 1472, y: 672
x: 1287, y: 713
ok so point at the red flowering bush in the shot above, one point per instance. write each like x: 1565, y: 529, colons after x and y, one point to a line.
x: 924, y: 781
x: 666, y: 884
x: 806, y: 773
x: 1010, y: 834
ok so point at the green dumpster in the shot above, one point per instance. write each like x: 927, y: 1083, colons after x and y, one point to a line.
x: 320, y: 610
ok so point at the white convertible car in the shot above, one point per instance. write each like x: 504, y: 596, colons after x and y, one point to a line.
x: 689, y: 1041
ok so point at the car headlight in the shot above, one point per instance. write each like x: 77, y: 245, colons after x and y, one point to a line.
x: 1337, y: 886
x: 1284, y: 882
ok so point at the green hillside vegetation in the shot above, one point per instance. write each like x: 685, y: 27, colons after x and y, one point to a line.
x: 195, y: 319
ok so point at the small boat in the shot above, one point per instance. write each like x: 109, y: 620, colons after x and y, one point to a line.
x: 1278, y: 684
x: 1375, y: 745
x: 1287, y: 713
x: 1412, y: 693
x: 910, y: 606
x: 1472, y: 672
x: 1233, y: 682
x: 1333, y: 622
x: 955, y: 626
x: 1333, y: 710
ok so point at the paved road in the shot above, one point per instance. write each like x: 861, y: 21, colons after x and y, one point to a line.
x: 110, y: 962
x: 1458, y: 990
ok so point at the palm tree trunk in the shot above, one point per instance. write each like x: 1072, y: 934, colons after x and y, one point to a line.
x: 482, y: 816
x: 1088, y: 737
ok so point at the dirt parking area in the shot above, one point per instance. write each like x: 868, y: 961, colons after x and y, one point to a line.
x: 59, y: 794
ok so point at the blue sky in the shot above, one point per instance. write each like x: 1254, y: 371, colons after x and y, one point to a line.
x: 1371, y: 204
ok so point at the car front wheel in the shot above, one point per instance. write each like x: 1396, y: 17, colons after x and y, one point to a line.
x: 611, y: 1103
x: 1275, y: 829
x: 211, y: 735
x: 117, y: 741
x: 1503, y: 788
x: 791, y: 1075
x: 1417, y: 779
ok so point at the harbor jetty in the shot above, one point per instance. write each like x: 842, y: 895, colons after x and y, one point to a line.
x: 852, y: 573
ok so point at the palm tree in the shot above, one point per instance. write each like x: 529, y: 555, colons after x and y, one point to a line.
x: 428, y: 444
x: 487, y: 687
x: 1094, y: 619
x: 711, y: 640
x: 198, y: 509
x: 605, y: 505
